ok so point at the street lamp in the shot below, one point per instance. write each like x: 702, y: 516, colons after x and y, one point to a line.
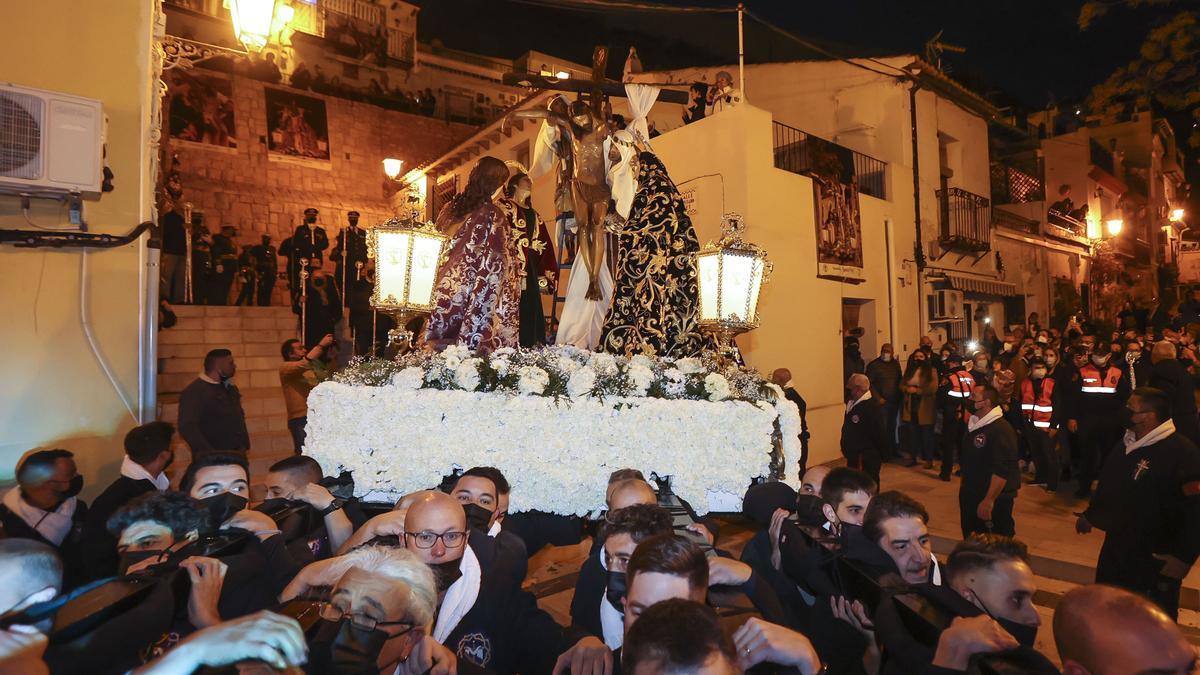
x: 732, y: 272
x: 1177, y: 215
x: 407, y: 256
x: 1114, y: 226
x: 391, y: 167
x: 255, y: 21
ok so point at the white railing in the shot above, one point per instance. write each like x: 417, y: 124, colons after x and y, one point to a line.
x: 363, y: 11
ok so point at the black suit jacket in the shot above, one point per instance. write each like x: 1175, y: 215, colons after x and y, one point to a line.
x: 1173, y: 378
x: 864, y: 430
x: 795, y: 397
x: 99, y: 546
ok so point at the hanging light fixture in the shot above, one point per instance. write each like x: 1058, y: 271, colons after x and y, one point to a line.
x: 1114, y: 226
x: 255, y: 21
x: 392, y: 167
x: 407, y: 256
x: 731, y: 274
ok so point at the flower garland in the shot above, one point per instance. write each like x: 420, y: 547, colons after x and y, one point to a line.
x: 556, y: 421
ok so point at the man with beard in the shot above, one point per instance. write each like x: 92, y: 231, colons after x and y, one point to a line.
x: 211, y: 418
x: 147, y: 455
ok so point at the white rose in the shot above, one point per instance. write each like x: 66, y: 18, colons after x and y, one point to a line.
x: 603, y: 363
x: 717, y: 387
x: 640, y: 377
x: 408, y: 379
x: 690, y: 365
x: 581, y: 383
x: 567, y: 364
x: 466, y: 375
x: 532, y: 380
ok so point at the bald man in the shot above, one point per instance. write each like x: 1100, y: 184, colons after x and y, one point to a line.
x: 814, y: 479
x: 864, y: 431
x: 1103, y: 630
x: 629, y: 492
x: 783, y: 378
x: 1171, y: 376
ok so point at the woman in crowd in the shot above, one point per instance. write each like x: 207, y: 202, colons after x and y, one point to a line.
x: 918, y: 410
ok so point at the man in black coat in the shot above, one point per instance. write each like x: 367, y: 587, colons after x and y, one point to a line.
x: 211, y: 418
x: 266, y: 265
x: 990, y: 474
x: 147, y: 455
x: 884, y: 373
x: 1148, y: 504
x: 864, y: 431
x: 44, y: 507
x: 783, y: 378
x: 1170, y: 375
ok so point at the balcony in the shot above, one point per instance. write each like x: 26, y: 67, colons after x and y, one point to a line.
x: 1004, y: 218
x: 795, y: 151
x: 1016, y: 185
x: 1062, y: 226
x: 358, y: 29
x: 965, y: 219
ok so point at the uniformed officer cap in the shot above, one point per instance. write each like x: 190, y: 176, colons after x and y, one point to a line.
x: 352, y: 213
x: 1037, y: 361
x: 310, y: 211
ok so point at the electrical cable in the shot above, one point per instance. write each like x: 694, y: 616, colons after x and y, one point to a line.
x: 85, y: 319
x: 603, y: 5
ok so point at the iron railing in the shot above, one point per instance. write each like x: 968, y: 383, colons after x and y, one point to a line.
x: 1003, y: 218
x: 793, y: 152
x: 965, y: 218
x: 1016, y: 185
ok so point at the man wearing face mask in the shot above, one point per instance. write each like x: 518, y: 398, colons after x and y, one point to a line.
x: 479, y: 490
x: 981, y: 368
x: 1148, y: 503
x: 1103, y: 392
x: 1169, y: 375
x: 884, y: 373
x: 44, y: 507
x: 147, y: 455
x: 1135, y: 364
x: 864, y: 433
x: 954, y: 395
x: 1041, y: 410
x: 990, y: 474
x: 211, y: 418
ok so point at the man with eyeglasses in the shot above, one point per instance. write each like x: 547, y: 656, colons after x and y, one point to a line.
x: 483, y: 614
x: 1148, y: 503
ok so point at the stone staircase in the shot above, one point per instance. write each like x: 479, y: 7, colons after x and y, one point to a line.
x: 253, y: 334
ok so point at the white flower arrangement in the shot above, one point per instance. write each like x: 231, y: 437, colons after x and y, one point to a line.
x: 555, y: 420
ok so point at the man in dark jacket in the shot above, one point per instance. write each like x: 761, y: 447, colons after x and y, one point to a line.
x: 1148, y: 503
x: 1170, y: 375
x: 44, y: 507
x: 225, y: 265
x: 211, y: 418
x: 884, y: 373
x: 266, y: 266
x: 990, y: 474
x: 147, y: 455
x: 864, y: 432
x: 783, y: 378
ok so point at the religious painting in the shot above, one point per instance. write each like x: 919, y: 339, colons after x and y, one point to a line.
x: 835, y: 195
x: 297, y: 125
x: 201, y: 108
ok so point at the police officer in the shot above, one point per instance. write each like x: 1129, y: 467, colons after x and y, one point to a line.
x: 249, y: 277
x: 350, y: 250
x: 201, y: 261
x: 1040, y: 410
x: 1103, y: 392
x: 309, y: 241
x: 266, y: 264
x: 954, y: 394
x: 225, y: 260
x: 990, y: 473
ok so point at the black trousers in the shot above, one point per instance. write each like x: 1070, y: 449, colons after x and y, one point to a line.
x: 1002, y: 516
x: 219, y: 284
x: 246, y: 295
x: 1097, y: 436
x: 266, y: 284
x: 1045, y: 456
x: 953, y: 429
x: 296, y: 425
x: 868, y: 462
x: 1127, y: 561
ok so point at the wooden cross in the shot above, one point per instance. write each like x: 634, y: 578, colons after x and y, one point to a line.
x: 597, y: 83
x: 1142, y: 466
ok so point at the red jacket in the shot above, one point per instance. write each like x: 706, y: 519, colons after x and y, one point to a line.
x: 1037, y: 402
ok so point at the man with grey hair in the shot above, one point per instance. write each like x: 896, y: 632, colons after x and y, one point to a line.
x: 723, y: 95
x: 864, y: 431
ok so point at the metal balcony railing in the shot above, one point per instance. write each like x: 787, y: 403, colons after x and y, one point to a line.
x: 794, y: 152
x: 965, y: 219
x: 1014, y: 185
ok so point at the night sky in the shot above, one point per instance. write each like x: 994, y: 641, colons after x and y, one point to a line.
x: 1020, y: 52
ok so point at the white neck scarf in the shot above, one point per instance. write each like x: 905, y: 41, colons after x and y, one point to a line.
x: 612, y: 622
x: 1157, y: 434
x: 494, y: 529
x: 851, y: 404
x: 135, y: 471
x: 460, y: 597
x: 979, y: 422
x: 53, y: 525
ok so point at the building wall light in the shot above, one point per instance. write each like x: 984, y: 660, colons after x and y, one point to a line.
x: 1114, y: 226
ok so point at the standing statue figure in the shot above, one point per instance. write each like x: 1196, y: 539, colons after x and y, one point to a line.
x: 554, y: 148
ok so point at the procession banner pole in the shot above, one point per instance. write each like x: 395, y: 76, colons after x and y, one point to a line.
x: 304, y: 301
x: 187, y: 262
x: 741, y: 10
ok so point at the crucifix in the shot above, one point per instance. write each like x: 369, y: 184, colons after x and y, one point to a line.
x: 1142, y: 466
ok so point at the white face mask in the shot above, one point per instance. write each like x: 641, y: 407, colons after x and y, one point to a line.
x: 981, y: 365
x: 1050, y: 361
x: 886, y: 357
x: 1039, y: 373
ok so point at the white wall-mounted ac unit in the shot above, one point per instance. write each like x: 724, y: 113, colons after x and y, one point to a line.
x: 50, y: 143
x: 947, y: 304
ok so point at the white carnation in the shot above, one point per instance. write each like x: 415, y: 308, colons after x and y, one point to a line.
x: 776, y: 389
x: 466, y: 375
x: 500, y: 365
x: 409, y: 379
x: 641, y: 360
x: 640, y: 377
x: 690, y: 365
x: 504, y: 352
x: 603, y: 363
x: 581, y: 383
x: 717, y: 387
x: 567, y: 364
x: 532, y: 380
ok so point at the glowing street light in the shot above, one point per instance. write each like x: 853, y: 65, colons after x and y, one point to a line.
x: 1177, y: 215
x: 392, y: 167
x: 1114, y: 226
x: 255, y: 21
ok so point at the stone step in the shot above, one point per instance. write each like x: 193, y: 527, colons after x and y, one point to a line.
x: 244, y: 363
x: 191, y: 311
x: 289, y: 322
x: 197, y: 351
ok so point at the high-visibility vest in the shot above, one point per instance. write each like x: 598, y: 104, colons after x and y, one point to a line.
x: 1099, y: 383
x: 1038, y: 408
x: 961, y: 384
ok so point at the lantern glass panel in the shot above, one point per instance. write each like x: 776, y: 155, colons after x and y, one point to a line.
x: 391, y: 265
x: 737, y: 277
x: 425, y: 254
x: 708, y: 266
x: 252, y: 21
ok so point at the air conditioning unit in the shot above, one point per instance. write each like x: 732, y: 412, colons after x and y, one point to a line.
x: 50, y: 143
x: 947, y: 304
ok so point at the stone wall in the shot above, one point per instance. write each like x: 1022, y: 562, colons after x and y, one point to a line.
x: 261, y: 192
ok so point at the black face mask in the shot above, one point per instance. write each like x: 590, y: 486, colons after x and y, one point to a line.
x: 309, y: 220
x: 222, y: 507
x: 73, y: 487
x: 446, y: 573
x: 1025, y: 634
x: 131, y: 558
x: 615, y: 592
x: 477, y: 516
x: 969, y: 404
x: 355, y: 651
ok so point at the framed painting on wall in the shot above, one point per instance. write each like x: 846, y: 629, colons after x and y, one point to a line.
x: 201, y: 108
x: 839, y: 223
x: 297, y: 125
